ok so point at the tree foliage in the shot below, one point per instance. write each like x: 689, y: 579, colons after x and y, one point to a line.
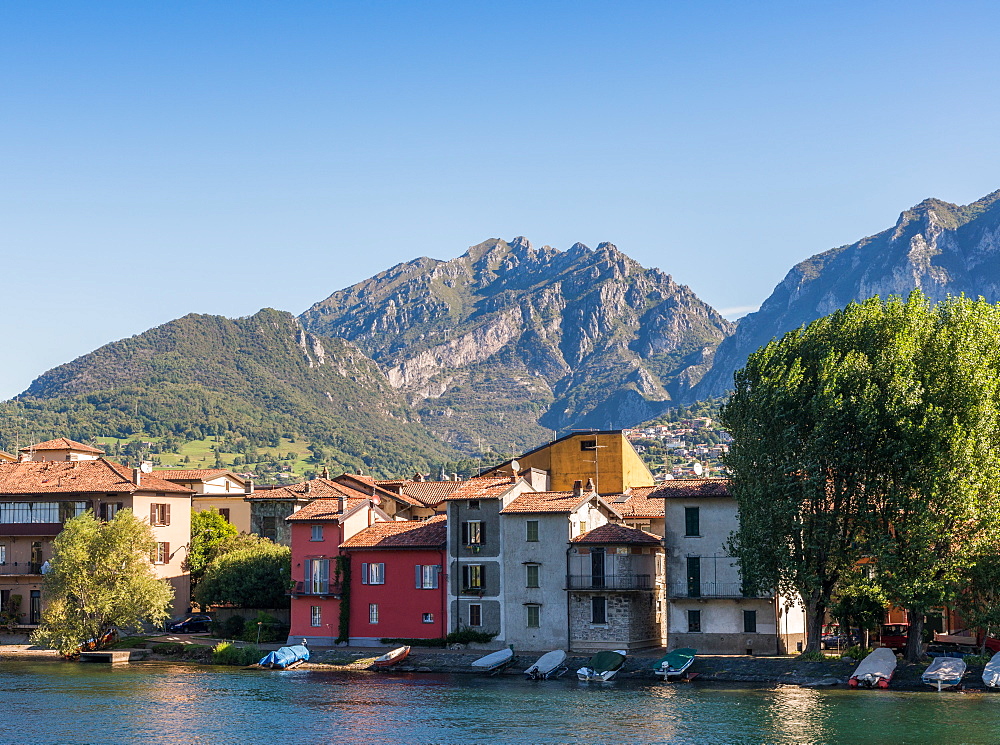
x: 869, y: 432
x: 977, y: 595
x: 209, y: 531
x: 101, y: 579
x: 255, y: 575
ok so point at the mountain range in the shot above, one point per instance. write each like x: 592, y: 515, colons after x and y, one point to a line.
x: 496, y: 349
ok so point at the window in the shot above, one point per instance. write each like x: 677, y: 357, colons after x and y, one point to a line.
x: 532, y: 531
x: 692, y: 522
x: 749, y: 622
x: 532, y: 574
x: 475, y: 615
x: 109, y: 510
x: 588, y: 445
x: 373, y: 613
x: 583, y: 527
x: 161, y: 555
x: 159, y: 514
x: 598, y: 609
x: 473, y: 504
x: 38, y: 512
x: 225, y: 514
x: 317, y: 576
x: 315, y: 616
x: 426, y: 576
x: 317, y: 533
x: 269, y: 528
x: 3, y: 553
x: 427, y: 618
x: 694, y: 621
x: 68, y: 510
x: 472, y: 576
x: 373, y: 574
x: 534, y: 616
x: 694, y: 576
x: 35, y: 608
x: 472, y: 532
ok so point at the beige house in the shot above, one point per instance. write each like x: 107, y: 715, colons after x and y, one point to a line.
x: 214, y: 487
x: 60, y: 479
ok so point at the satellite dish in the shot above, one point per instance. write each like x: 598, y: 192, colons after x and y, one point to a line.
x: 515, y: 466
x: 146, y: 467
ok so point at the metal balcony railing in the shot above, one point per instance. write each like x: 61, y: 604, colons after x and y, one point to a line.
x: 609, y: 582
x: 22, y: 567
x: 710, y: 590
x: 310, y: 588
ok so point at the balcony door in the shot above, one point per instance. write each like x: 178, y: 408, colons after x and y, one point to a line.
x: 694, y: 576
x: 597, y: 567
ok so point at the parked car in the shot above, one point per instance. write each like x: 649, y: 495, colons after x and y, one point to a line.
x: 198, y: 623
x: 833, y: 639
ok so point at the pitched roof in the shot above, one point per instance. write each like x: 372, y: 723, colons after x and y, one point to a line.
x: 61, y: 477
x: 4, y: 455
x: 639, y: 502
x: 194, y: 474
x: 617, y: 534
x: 306, y: 490
x: 432, y: 533
x: 326, y: 509
x: 430, y: 493
x: 62, y: 443
x: 547, y: 501
x: 688, y: 488
x: 371, y: 488
x: 482, y: 487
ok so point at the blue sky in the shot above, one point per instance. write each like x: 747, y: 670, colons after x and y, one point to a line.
x: 165, y: 158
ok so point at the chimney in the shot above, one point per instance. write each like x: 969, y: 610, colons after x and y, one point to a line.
x: 309, y: 487
x: 454, y: 477
x: 248, y: 489
x: 578, y: 488
x: 136, y: 476
x: 326, y: 473
x: 418, y: 477
x: 590, y: 485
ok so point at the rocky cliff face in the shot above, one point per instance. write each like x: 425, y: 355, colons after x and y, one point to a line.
x: 508, y: 341
x: 938, y: 247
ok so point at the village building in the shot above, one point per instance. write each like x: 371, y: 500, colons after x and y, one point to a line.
x: 398, y: 586
x: 536, y: 528
x: 615, y: 598
x: 60, y: 479
x: 707, y: 606
x: 217, y: 488
x: 640, y: 509
x: 6, y: 457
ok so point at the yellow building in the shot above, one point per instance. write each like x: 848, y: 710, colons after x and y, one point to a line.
x: 606, y: 457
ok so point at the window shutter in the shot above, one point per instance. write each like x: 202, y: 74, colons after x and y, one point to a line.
x: 119, y: 507
x: 325, y: 567
x: 166, y: 514
x: 465, y: 534
x: 364, y: 573
x: 434, y: 582
x: 482, y: 532
x: 419, y: 576
x: 152, y: 514
x: 465, y: 575
x: 307, y: 573
x: 166, y: 553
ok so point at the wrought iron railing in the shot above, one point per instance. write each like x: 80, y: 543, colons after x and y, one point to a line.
x: 22, y: 567
x: 710, y: 590
x: 609, y: 582
x: 310, y: 588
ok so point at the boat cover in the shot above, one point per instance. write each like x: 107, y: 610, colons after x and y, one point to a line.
x: 285, y: 656
x: 677, y: 659
x: 548, y: 662
x: 991, y: 673
x: 604, y: 661
x: 944, y: 669
x: 879, y: 664
x: 493, y: 659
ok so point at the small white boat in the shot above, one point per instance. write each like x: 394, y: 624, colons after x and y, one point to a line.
x: 603, y: 666
x: 391, y: 658
x: 494, y: 662
x: 549, y: 665
x: 875, y: 670
x: 991, y: 673
x: 944, y: 672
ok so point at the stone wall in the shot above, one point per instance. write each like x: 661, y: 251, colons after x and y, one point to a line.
x: 631, y: 622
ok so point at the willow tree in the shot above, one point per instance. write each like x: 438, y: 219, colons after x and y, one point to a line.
x: 854, y: 438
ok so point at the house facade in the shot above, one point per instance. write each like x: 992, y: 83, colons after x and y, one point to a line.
x: 217, y: 488
x: 707, y: 607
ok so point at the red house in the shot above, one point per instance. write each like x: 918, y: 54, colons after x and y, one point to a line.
x: 398, y: 587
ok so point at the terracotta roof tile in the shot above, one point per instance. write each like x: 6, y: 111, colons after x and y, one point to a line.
x: 638, y: 502
x: 194, y: 474
x: 325, y: 509
x: 613, y: 533
x: 100, y: 475
x: 377, y: 491
x: 432, y: 533
x: 547, y: 501
x: 430, y: 493
x: 688, y: 488
x: 62, y: 443
x: 306, y: 490
x: 482, y: 487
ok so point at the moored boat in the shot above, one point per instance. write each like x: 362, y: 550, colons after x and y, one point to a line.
x: 495, y: 662
x: 602, y: 666
x: 944, y: 672
x: 674, y: 664
x: 392, y: 658
x: 875, y: 670
x: 549, y: 665
x: 285, y: 658
x: 991, y: 673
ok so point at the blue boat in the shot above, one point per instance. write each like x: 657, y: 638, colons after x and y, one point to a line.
x: 286, y: 658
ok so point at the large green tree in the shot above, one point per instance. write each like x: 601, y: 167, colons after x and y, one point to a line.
x: 210, y: 531
x: 255, y: 576
x: 101, y: 578
x: 867, y: 433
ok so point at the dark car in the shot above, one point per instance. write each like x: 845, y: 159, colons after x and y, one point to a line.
x: 833, y: 639
x: 193, y: 624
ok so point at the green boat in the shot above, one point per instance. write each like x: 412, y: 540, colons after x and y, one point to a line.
x: 674, y: 664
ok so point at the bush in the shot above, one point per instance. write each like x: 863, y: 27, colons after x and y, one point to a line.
x: 857, y: 652
x: 227, y: 653
x: 812, y: 657
x: 168, y: 648
x: 978, y: 659
x: 231, y: 628
x: 467, y: 636
x: 414, y: 642
x: 271, y: 629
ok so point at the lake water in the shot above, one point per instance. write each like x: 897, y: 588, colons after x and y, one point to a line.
x: 53, y: 702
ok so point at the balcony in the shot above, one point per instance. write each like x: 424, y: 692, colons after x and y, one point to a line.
x: 709, y: 590
x: 323, y: 589
x: 12, y: 568
x: 618, y: 582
